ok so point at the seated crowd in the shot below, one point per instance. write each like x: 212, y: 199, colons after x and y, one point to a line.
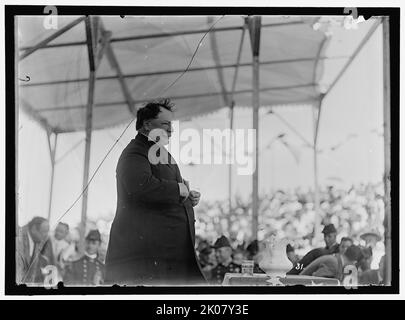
x: 36, y: 250
x: 330, y: 261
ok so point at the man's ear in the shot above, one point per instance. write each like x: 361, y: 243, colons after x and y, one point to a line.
x: 146, y: 125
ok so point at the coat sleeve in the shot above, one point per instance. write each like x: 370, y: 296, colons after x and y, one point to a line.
x: 135, y: 173
x: 312, y: 267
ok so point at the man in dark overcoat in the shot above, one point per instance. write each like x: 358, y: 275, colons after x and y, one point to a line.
x: 152, y: 236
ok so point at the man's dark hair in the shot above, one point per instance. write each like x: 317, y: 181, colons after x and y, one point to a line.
x: 151, y: 110
x: 36, y: 222
x: 346, y: 239
x: 353, y: 253
x: 64, y: 224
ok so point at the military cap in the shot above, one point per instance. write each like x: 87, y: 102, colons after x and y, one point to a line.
x: 94, y: 235
x: 222, y: 242
x: 329, y: 228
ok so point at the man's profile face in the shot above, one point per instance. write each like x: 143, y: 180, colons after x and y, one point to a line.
x: 60, y: 232
x: 330, y: 239
x: 161, y: 126
x: 40, y: 233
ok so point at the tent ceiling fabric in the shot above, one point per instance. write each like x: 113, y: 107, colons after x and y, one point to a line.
x: 152, y: 53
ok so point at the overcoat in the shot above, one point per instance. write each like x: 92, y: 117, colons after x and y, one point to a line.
x: 152, y: 236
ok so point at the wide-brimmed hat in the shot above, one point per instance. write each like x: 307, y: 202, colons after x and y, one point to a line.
x: 371, y: 232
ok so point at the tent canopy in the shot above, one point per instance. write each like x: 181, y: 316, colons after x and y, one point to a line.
x: 297, y: 62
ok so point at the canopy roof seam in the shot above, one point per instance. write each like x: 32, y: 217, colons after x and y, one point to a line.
x: 160, y: 35
x: 107, y: 104
x: 167, y: 72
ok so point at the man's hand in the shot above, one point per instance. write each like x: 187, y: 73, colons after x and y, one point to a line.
x: 194, y: 197
x: 184, y: 191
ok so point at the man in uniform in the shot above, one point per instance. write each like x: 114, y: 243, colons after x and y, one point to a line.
x: 223, y: 251
x: 88, y: 270
x: 332, y: 247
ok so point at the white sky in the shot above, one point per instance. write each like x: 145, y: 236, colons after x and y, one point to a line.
x: 354, y: 107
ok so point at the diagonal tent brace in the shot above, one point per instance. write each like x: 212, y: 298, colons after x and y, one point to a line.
x: 45, y: 42
x: 112, y: 59
x: 217, y: 60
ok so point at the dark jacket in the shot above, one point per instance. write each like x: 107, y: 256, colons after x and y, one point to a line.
x: 85, y: 271
x: 311, y: 256
x: 218, y: 273
x: 327, y: 266
x: 152, y: 236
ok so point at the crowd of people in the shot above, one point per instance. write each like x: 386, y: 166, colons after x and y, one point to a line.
x: 37, y: 249
x: 291, y: 215
x: 329, y: 261
x: 353, y: 221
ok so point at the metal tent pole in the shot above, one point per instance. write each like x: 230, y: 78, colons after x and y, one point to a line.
x: 231, y: 118
x: 52, y: 152
x: 387, y: 150
x: 254, y: 31
x: 16, y: 122
x: 91, y: 45
x: 316, y: 117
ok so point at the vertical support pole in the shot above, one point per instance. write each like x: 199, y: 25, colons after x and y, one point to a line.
x: 231, y: 150
x: 52, y: 152
x: 254, y: 31
x: 387, y: 150
x: 317, y: 224
x: 256, y: 103
x: 92, y: 51
x: 16, y: 121
x: 89, y: 127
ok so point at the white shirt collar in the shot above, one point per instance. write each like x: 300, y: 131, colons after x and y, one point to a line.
x: 91, y: 256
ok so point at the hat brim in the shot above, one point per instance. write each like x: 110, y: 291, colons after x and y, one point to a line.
x: 329, y: 231
x: 371, y: 234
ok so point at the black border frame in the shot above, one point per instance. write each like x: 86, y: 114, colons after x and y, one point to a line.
x: 11, y: 288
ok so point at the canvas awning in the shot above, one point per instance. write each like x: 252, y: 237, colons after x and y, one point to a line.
x: 153, y: 51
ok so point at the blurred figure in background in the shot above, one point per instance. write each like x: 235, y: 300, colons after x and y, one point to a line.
x: 60, y: 245
x: 88, y: 270
x: 345, y: 243
x: 332, y: 266
x: 367, y: 257
x: 238, y: 256
x: 34, y: 251
x: 253, y: 253
x: 208, y: 261
x: 374, y: 276
x: 223, y: 251
x: 331, y: 247
x: 291, y: 255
